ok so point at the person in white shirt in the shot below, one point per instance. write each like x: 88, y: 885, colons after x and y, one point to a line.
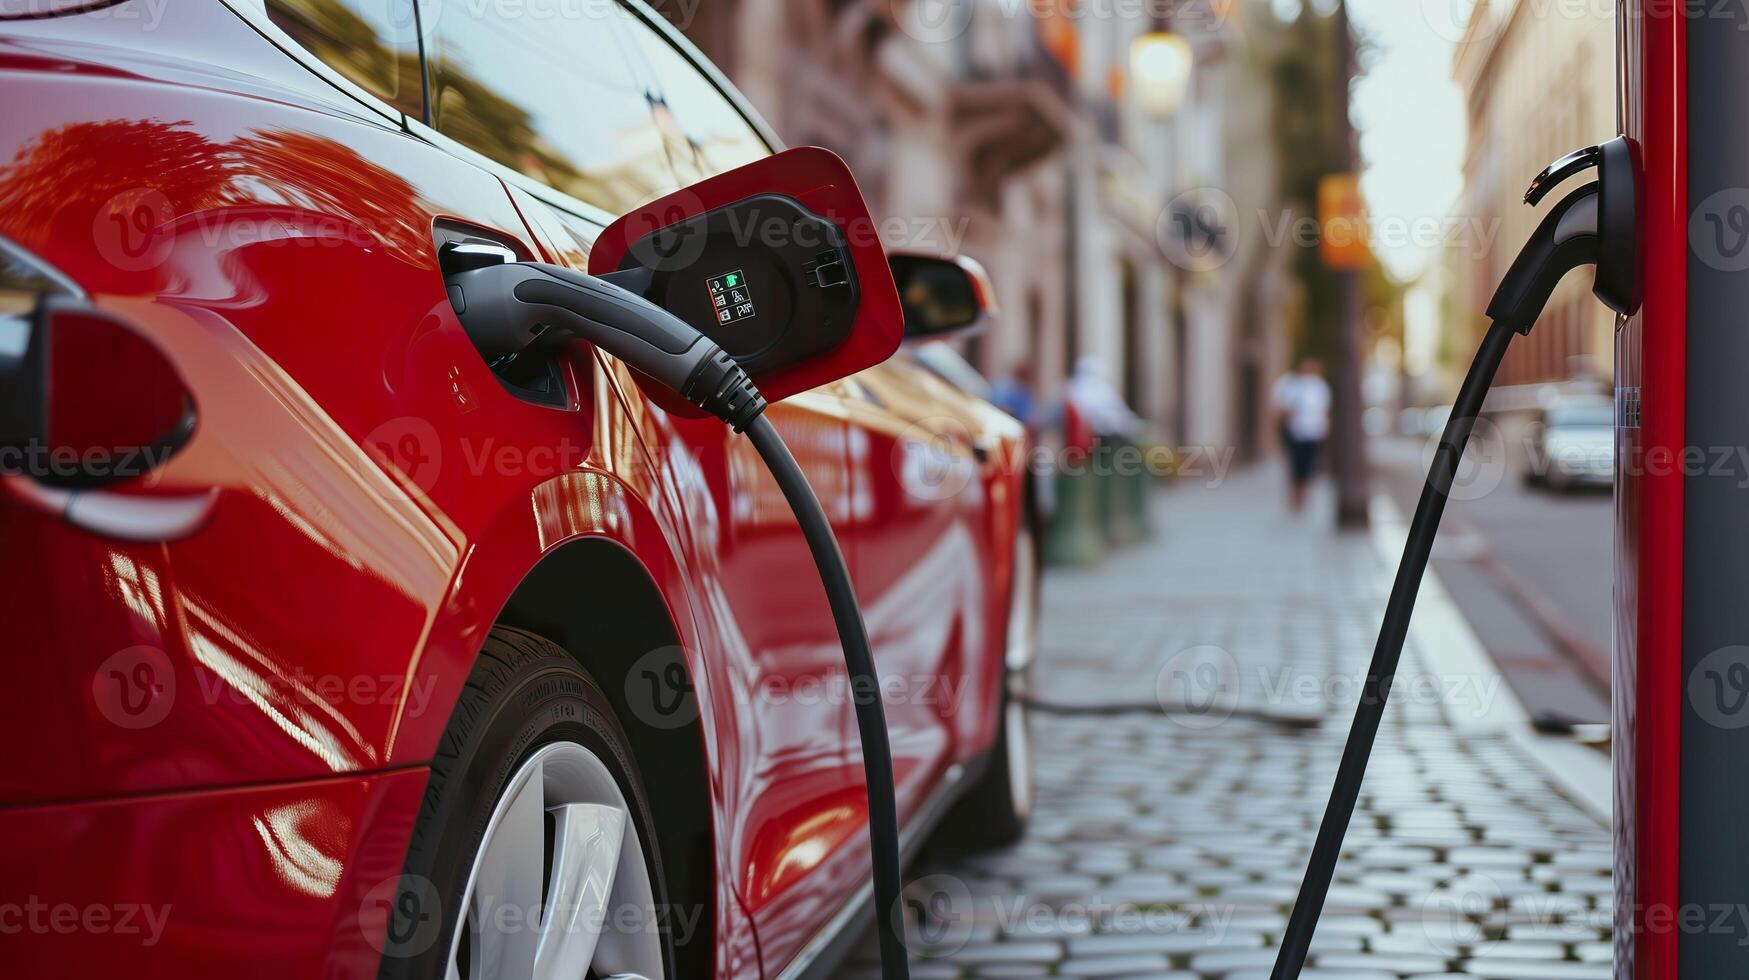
x: 1302, y: 409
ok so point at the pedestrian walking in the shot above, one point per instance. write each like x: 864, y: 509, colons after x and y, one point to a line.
x: 1301, y: 399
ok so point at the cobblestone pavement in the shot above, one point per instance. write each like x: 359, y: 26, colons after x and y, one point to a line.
x: 1171, y: 847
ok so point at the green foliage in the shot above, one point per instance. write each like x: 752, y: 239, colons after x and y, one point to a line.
x: 1312, y: 141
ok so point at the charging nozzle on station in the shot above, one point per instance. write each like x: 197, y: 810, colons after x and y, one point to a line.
x: 1599, y: 225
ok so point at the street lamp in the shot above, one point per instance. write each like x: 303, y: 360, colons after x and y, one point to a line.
x: 1160, y: 63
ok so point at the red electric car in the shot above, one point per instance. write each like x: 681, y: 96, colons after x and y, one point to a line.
x: 373, y: 658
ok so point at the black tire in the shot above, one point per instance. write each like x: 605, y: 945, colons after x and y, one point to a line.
x: 525, y: 692
x: 988, y: 816
x: 994, y: 811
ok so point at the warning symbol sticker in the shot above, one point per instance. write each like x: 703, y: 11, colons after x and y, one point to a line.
x: 730, y: 297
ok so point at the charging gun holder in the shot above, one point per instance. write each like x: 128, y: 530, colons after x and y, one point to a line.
x: 1598, y: 224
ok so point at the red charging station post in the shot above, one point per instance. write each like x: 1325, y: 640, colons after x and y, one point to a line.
x: 1648, y: 578
x: 1682, y: 503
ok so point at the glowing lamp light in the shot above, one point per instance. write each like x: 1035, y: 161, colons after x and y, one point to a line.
x: 1160, y: 65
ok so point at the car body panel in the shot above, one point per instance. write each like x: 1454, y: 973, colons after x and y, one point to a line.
x: 380, y: 498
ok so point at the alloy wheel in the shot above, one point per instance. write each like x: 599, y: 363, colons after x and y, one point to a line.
x: 559, y: 887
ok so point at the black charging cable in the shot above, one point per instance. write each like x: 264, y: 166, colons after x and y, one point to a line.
x: 877, y: 758
x: 1598, y: 224
x: 511, y: 308
x: 1296, y: 941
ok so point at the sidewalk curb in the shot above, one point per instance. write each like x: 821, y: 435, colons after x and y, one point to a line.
x: 1444, y: 645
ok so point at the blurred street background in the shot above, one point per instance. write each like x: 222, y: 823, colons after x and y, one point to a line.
x: 1180, y: 201
x: 1177, y: 200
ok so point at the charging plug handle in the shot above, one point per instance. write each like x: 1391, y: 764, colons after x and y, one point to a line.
x: 1567, y: 239
x: 509, y: 308
x: 515, y: 307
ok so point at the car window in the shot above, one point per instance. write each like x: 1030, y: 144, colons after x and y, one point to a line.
x: 548, y: 90
x: 373, y: 43
x: 702, y: 131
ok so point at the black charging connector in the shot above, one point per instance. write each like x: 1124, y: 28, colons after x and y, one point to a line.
x: 1597, y: 224
x: 509, y: 308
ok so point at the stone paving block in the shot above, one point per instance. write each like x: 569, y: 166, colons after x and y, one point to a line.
x: 1112, y: 966
x: 1181, y: 839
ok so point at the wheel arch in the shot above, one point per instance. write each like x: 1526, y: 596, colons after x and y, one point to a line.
x: 593, y: 597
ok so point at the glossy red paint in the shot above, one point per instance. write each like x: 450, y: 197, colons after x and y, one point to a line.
x: 1651, y: 358
x: 236, y: 723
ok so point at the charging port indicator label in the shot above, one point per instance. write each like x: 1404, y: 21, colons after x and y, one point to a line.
x: 730, y: 297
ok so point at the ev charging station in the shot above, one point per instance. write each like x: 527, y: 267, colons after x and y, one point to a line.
x: 1666, y: 226
x: 1681, y: 672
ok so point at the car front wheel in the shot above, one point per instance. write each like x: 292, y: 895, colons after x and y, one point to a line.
x: 534, y: 844
x: 995, y: 809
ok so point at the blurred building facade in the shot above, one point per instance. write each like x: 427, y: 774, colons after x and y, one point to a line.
x: 1539, y: 81
x: 1014, y: 132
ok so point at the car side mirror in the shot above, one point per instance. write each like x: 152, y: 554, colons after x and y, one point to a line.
x: 776, y: 261
x: 941, y: 297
